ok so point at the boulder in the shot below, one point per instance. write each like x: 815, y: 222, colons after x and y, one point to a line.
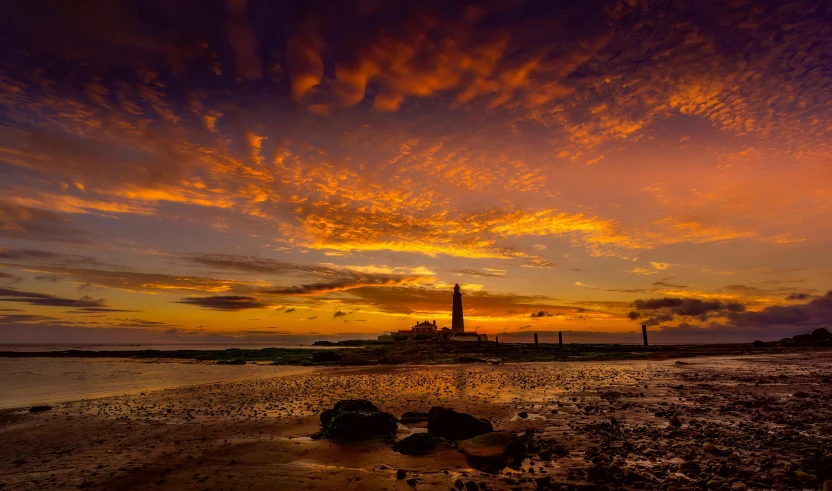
x: 491, y: 452
x: 415, y: 444
x: 453, y: 425
x: 39, y: 409
x: 356, y: 419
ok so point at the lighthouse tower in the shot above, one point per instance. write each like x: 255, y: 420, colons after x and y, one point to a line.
x: 457, y: 324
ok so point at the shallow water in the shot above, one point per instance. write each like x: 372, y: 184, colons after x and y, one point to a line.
x: 31, y: 381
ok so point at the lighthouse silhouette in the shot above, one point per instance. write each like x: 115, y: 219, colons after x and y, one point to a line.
x: 457, y: 324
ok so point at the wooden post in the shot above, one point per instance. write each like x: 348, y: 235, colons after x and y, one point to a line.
x: 535, y: 340
x: 644, y: 333
x: 560, y: 339
x: 497, y: 341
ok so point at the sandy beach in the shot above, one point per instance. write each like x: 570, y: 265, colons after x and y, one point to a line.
x: 747, y: 422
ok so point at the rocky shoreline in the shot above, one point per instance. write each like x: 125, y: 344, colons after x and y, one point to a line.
x: 709, y: 423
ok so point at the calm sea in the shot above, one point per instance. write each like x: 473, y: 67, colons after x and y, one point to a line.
x: 27, y: 382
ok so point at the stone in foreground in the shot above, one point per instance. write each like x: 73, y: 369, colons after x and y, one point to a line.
x: 356, y: 419
x: 453, y: 425
x: 415, y: 444
x: 493, y: 451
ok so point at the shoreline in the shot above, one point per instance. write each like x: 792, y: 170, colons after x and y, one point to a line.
x: 424, y: 353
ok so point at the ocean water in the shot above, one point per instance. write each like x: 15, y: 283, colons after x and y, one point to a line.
x: 31, y: 381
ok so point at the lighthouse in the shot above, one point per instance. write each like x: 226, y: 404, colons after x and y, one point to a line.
x: 457, y: 324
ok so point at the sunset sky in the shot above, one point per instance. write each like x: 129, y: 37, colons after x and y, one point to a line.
x: 187, y: 171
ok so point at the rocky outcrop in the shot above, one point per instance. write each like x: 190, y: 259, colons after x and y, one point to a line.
x: 819, y: 337
x: 356, y: 419
x: 325, y: 355
x: 453, y: 425
x: 493, y: 451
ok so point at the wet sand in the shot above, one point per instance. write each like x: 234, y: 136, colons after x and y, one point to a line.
x: 747, y: 422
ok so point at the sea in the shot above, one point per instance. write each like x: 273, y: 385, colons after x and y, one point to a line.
x: 26, y: 382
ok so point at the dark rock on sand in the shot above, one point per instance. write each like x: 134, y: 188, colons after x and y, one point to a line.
x: 493, y: 451
x: 348, y: 405
x: 413, y: 417
x: 356, y: 419
x: 453, y: 425
x: 325, y: 355
x: 415, y: 444
x: 39, y: 409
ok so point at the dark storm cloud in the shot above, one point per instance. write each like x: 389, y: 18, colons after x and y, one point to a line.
x: 225, y: 302
x: 45, y: 300
x: 540, y: 314
x: 659, y: 310
x: 817, y: 312
x: 799, y: 296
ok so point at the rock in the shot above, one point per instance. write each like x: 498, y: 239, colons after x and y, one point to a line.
x: 316, y: 436
x: 739, y: 486
x: 400, y: 474
x: 413, y: 417
x: 493, y: 451
x: 356, y: 419
x: 471, y: 486
x: 523, y: 415
x: 453, y: 425
x: 689, y: 466
x: 458, y: 484
x: 325, y: 355
x: 349, y: 405
x: 417, y: 443
x: 804, y: 476
x: 39, y: 409
x: 709, y: 447
x: 675, y: 422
